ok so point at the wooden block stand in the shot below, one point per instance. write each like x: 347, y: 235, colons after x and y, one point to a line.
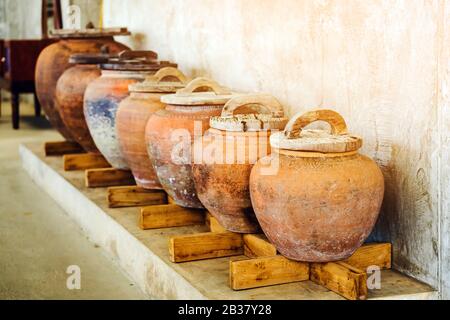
x: 264, y: 267
x: 83, y: 161
x: 158, y: 210
x: 168, y: 216
x: 59, y: 148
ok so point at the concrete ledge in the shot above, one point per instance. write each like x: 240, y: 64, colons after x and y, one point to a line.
x: 143, y: 255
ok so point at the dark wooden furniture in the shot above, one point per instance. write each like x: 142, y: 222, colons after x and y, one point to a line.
x: 18, y: 61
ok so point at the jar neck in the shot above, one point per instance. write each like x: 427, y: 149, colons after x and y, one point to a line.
x: 145, y: 95
x: 261, y: 133
x: 190, y: 109
x: 312, y: 154
x: 138, y: 75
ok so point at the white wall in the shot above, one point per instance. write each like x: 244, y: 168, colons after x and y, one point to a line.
x: 90, y: 11
x: 383, y: 64
x: 20, y: 19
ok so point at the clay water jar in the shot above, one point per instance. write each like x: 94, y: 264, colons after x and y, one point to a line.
x: 236, y: 140
x: 54, y: 60
x: 324, y: 199
x: 170, y: 134
x: 103, y: 96
x: 132, y: 116
x: 70, y: 90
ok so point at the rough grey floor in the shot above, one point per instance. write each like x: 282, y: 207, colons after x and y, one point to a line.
x: 38, y: 241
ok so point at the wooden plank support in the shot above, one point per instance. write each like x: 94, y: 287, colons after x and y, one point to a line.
x: 213, y: 224
x: 378, y: 254
x: 59, y: 148
x: 108, y: 177
x: 168, y: 216
x: 134, y: 196
x: 83, y: 161
x: 257, y: 245
x: 266, y: 271
x: 341, y: 278
x: 205, y: 246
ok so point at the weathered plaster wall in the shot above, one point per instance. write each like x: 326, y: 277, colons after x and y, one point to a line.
x: 383, y: 64
x: 90, y: 11
x: 444, y: 139
x: 20, y: 19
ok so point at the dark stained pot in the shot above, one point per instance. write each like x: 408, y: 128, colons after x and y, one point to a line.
x: 70, y: 90
x: 54, y: 60
x: 232, y: 145
x: 132, y: 116
x: 323, y: 198
x: 104, y: 94
x: 170, y: 134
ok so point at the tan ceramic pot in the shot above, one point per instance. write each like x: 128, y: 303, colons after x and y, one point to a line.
x: 170, y: 134
x: 70, y: 90
x: 104, y: 94
x: 322, y: 198
x: 54, y: 60
x: 132, y: 117
x: 235, y: 141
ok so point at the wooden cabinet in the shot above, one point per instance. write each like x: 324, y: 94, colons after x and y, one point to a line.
x: 18, y: 61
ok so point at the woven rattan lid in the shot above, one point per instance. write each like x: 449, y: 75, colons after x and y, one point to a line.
x: 168, y: 79
x: 200, y: 91
x: 294, y: 137
x: 255, y: 112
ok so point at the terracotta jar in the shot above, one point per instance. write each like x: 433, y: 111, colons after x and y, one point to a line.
x: 170, y: 134
x: 103, y: 95
x: 54, y: 60
x: 70, y: 90
x: 132, y: 117
x: 235, y: 141
x: 321, y: 198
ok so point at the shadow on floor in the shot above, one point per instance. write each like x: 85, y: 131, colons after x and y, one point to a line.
x: 29, y: 121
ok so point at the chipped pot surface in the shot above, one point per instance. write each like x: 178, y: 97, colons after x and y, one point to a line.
x: 188, y: 107
x: 320, y: 204
x: 102, y: 98
x: 70, y: 90
x: 54, y: 60
x: 132, y: 117
x: 242, y: 129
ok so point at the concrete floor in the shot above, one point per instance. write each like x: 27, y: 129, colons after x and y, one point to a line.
x: 38, y: 241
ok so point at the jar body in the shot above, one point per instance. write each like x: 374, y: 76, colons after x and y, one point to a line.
x: 132, y: 117
x: 70, y: 90
x: 319, y: 208
x: 51, y: 64
x: 222, y: 183
x: 101, y: 101
x: 170, y: 136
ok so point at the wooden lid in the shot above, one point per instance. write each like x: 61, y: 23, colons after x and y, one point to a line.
x: 168, y: 79
x: 200, y: 91
x: 129, y: 60
x: 89, y: 58
x: 294, y: 137
x: 88, y: 33
x: 258, y: 112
